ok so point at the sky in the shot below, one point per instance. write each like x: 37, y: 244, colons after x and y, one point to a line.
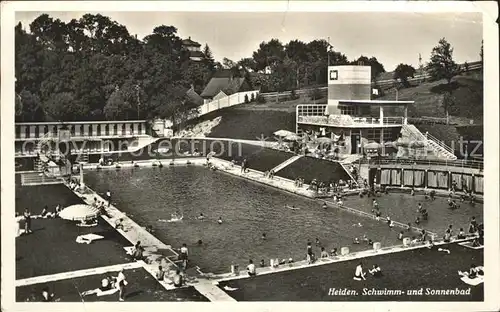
x: 393, y: 38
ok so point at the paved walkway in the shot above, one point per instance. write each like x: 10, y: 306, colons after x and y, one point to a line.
x: 258, y: 176
x: 155, y: 251
x: 76, y: 274
x: 323, y: 261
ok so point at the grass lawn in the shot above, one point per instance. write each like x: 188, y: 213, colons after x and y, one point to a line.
x: 309, y: 168
x: 243, y: 123
x: 142, y: 287
x: 415, y: 269
x: 51, y: 248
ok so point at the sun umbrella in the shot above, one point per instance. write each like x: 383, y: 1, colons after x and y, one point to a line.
x: 283, y: 133
x: 79, y: 212
x: 291, y: 137
x: 373, y: 145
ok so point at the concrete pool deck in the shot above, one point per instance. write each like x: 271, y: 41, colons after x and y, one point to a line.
x: 329, y: 260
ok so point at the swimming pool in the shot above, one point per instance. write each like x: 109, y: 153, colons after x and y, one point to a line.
x: 403, y: 208
x: 247, y: 209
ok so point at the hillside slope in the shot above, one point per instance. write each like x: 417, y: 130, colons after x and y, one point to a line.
x: 466, y: 90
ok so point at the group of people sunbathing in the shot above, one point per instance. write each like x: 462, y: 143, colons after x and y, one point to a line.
x: 110, y: 285
x: 325, y: 187
x: 360, y: 274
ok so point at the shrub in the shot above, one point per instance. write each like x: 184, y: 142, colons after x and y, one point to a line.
x: 252, y: 97
x: 261, y: 99
x: 293, y: 95
x: 246, y: 98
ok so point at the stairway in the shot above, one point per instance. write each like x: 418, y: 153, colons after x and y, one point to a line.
x: 440, y: 149
x: 286, y: 163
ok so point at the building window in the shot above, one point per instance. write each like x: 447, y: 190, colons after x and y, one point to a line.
x: 18, y: 131
x: 334, y: 75
x: 374, y: 135
x: 349, y: 110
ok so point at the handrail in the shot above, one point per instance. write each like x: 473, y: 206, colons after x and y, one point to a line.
x: 447, y: 163
x: 439, y: 142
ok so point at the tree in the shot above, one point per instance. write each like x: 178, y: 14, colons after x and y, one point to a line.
x: 228, y: 64
x: 268, y: 54
x: 174, y: 105
x: 441, y: 64
x: 28, y: 106
x: 403, y: 72
x: 117, y: 107
x: 247, y: 64
x: 62, y: 106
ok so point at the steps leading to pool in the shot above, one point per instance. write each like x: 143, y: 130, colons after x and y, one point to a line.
x: 287, y: 162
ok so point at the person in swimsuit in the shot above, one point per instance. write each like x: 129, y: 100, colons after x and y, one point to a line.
x: 184, y: 255
x: 219, y: 220
x: 375, y: 271
x: 178, y: 279
x: 27, y: 221
x: 251, y: 268
x: 358, y: 273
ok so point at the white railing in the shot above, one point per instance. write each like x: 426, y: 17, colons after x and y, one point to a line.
x: 439, y: 143
x: 347, y: 120
x: 228, y: 101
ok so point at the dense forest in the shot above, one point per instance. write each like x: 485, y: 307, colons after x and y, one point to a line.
x: 92, y: 68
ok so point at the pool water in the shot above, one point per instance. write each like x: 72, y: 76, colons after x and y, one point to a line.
x: 403, y: 208
x: 247, y: 209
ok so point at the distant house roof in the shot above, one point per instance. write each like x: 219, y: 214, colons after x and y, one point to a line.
x: 189, y: 42
x: 228, y: 85
x: 194, y: 97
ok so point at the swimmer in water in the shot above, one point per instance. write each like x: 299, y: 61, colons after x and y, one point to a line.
x: 317, y: 241
x: 219, y: 220
x: 324, y: 205
x: 264, y: 236
x: 201, y: 217
x: 356, y: 241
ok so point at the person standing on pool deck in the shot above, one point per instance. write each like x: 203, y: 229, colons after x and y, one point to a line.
x: 27, y: 221
x: 251, y: 268
x: 184, y: 255
x: 108, y: 197
x: 121, y: 282
x: 219, y: 220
